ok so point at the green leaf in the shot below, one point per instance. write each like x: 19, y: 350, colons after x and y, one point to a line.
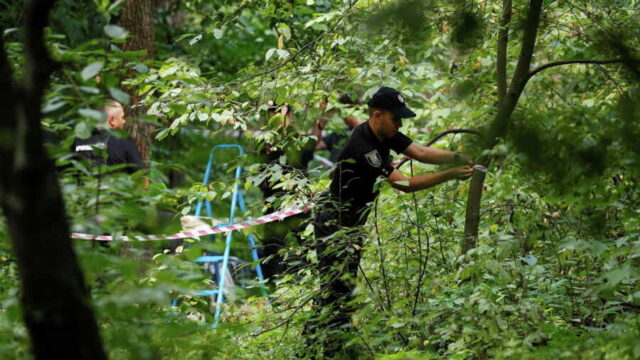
x: 119, y: 95
x: 167, y: 70
x: 115, y: 31
x: 616, y: 276
x: 94, y: 114
x: 89, y: 90
x: 91, y: 70
x: 195, y: 39
x: 283, y: 54
x: 82, y: 130
x: 9, y: 31
x: 530, y: 259
x: 269, y: 53
x: 284, y: 30
x: 53, y: 105
x: 141, y: 68
x: 218, y: 33
x: 397, y: 325
x: 163, y: 134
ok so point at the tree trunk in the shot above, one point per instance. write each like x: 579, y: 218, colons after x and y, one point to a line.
x: 137, y: 17
x: 503, y: 41
x: 55, y: 301
x: 500, y: 124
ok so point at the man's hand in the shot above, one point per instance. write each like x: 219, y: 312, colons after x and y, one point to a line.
x: 463, y: 159
x: 462, y: 172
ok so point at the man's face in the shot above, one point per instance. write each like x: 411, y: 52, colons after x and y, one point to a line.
x: 115, y: 118
x: 390, y: 123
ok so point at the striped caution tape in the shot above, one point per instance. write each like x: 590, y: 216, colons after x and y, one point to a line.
x: 275, y: 216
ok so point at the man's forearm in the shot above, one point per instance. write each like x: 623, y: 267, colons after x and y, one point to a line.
x: 440, y: 156
x: 424, y: 181
x: 430, y: 155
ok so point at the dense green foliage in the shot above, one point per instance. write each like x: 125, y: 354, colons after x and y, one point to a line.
x: 556, y: 272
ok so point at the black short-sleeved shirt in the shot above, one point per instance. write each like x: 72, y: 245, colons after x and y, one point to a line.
x: 119, y: 151
x: 363, y: 160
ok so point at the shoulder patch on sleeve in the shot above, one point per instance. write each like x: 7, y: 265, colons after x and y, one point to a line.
x: 373, y: 158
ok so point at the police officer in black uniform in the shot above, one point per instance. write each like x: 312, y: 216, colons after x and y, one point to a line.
x: 119, y: 150
x: 365, y: 158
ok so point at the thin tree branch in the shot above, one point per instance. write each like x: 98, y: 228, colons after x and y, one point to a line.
x: 382, y: 260
x: 503, y: 40
x: 570, y: 62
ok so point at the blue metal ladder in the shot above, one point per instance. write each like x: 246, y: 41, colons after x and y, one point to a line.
x: 236, y: 199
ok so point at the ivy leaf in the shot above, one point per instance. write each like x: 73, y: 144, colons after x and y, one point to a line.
x: 91, y: 70
x: 115, y: 31
x: 119, y: 95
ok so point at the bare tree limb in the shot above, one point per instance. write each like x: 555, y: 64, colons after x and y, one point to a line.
x: 503, y: 40
x: 570, y: 62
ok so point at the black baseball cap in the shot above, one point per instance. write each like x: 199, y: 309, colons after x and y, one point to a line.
x: 390, y: 99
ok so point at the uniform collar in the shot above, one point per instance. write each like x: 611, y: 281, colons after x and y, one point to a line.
x: 369, y: 135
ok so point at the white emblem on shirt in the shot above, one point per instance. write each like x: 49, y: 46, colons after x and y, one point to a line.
x: 91, y: 147
x: 373, y: 158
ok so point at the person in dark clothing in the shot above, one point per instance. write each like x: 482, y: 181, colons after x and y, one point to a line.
x: 339, y: 219
x: 118, y: 150
x: 296, y: 160
x: 335, y: 141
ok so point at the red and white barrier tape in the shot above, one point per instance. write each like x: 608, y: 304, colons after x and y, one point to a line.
x: 275, y: 216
